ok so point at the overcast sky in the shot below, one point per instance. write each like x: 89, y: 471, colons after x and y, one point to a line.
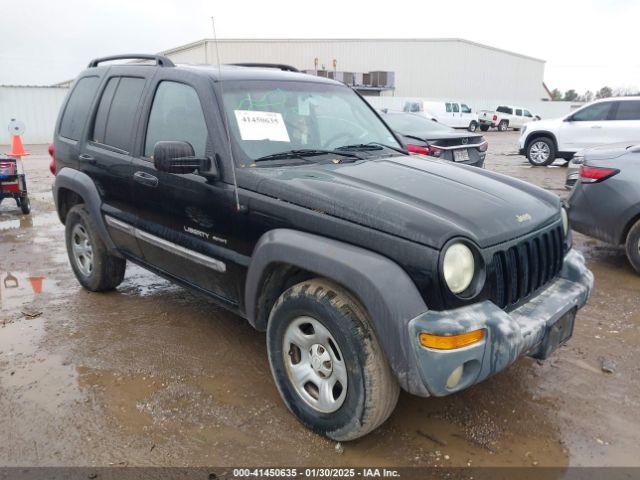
x: 587, y: 44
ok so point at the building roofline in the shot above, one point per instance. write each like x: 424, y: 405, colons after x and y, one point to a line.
x: 204, y: 41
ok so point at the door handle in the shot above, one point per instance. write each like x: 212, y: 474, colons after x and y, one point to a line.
x: 87, y: 158
x: 596, y: 126
x: 146, y: 179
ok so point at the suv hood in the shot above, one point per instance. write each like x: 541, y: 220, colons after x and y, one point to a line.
x: 426, y: 201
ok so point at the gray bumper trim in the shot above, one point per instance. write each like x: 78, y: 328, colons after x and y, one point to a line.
x: 507, y: 335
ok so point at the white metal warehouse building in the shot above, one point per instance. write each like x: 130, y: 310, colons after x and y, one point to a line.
x: 435, y: 69
x: 438, y: 68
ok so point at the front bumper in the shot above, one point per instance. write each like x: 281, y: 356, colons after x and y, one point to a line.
x: 509, y: 335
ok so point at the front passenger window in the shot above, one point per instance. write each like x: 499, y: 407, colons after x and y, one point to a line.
x: 176, y: 115
x: 593, y: 113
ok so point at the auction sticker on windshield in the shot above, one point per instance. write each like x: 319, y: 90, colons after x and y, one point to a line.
x: 256, y: 125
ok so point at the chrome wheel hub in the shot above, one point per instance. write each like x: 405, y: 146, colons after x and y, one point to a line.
x: 539, y: 152
x: 315, y: 366
x: 82, y: 249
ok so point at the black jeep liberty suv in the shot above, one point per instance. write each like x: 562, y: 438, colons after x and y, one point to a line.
x: 288, y: 200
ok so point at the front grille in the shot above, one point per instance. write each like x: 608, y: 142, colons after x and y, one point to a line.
x: 455, y: 142
x: 520, y: 270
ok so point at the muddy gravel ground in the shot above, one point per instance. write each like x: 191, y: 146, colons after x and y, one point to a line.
x: 152, y: 375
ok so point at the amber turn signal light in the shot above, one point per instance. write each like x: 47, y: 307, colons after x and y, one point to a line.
x: 449, y: 342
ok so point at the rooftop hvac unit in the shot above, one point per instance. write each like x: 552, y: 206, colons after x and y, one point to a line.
x: 366, y: 79
x: 344, y: 77
x: 382, y: 79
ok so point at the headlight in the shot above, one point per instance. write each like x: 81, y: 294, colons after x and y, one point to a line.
x: 458, y: 267
x: 565, y: 221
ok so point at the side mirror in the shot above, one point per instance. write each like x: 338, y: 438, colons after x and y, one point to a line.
x: 179, y: 157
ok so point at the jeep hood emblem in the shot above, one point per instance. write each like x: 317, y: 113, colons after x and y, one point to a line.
x: 525, y: 217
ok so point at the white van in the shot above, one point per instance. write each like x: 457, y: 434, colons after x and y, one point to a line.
x: 452, y: 114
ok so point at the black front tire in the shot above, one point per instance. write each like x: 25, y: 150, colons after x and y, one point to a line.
x: 372, y: 390
x: 536, y: 145
x: 107, y: 270
x: 503, y: 126
x: 473, y: 126
x: 632, y: 246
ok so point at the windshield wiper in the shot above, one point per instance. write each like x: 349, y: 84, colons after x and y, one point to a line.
x: 362, y: 147
x: 305, y: 152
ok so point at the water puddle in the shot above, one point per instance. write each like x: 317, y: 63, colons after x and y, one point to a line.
x: 32, y: 373
x: 21, y: 292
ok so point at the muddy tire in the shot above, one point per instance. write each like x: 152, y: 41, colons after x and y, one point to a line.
x: 473, y: 126
x: 541, y: 152
x: 503, y: 125
x: 25, y: 205
x: 484, y: 128
x: 327, y: 363
x: 94, y: 267
x: 632, y: 246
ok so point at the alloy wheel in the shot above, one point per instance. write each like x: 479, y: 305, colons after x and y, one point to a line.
x: 539, y: 152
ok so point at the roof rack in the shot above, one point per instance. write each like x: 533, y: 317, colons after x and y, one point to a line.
x: 161, y: 61
x: 280, y: 66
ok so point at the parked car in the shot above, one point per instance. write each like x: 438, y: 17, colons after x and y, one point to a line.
x: 426, y: 137
x: 505, y: 117
x: 286, y: 199
x: 602, y: 122
x: 451, y: 114
x: 605, y: 203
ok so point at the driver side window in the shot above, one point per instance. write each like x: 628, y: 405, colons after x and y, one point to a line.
x: 176, y: 115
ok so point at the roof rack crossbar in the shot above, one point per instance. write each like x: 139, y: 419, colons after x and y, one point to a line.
x: 280, y: 66
x: 161, y: 61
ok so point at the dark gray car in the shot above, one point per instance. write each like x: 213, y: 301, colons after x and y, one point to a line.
x: 605, y: 202
x: 423, y: 136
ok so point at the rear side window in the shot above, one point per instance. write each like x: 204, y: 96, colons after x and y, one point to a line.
x: 456, y: 108
x: 593, y: 113
x: 519, y: 112
x: 507, y: 110
x: 449, y: 108
x: 176, y: 115
x: 115, y: 119
x: 77, y: 110
x: 628, y: 110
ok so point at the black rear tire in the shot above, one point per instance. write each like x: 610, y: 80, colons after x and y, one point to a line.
x: 473, y: 126
x: 107, y: 271
x: 536, y: 152
x: 632, y: 246
x: 484, y: 128
x: 371, y: 390
x: 25, y: 205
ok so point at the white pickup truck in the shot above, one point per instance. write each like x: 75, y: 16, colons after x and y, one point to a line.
x: 505, y: 117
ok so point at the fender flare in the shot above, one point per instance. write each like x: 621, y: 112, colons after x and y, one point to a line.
x: 80, y: 183
x: 540, y: 133
x: 383, y: 287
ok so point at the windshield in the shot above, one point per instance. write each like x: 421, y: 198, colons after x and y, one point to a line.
x: 410, y: 124
x: 267, y: 118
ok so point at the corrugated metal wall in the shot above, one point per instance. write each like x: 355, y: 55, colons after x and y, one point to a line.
x: 37, y: 107
x: 435, y: 68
